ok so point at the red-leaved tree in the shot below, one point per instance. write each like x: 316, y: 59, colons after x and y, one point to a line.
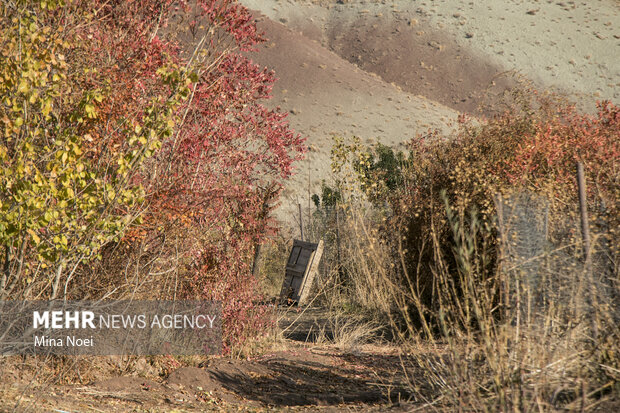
x: 219, y: 176
x: 143, y: 123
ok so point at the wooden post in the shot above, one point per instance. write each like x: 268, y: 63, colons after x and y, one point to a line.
x: 257, y: 250
x: 583, y: 206
x: 585, y: 233
x: 301, y: 222
x: 338, y: 266
x: 505, y: 294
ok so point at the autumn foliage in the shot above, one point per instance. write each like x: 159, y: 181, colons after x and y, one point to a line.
x: 470, y: 246
x: 532, y: 147
x: 131, y: 127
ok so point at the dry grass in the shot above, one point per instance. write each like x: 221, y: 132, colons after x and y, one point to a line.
x: 346, y: 332
x: 499, y: 342
x: 515, y: 320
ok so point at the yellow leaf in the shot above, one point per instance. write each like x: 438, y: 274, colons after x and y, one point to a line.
x: 34, y: 236
x: 47, y: 107
x: 23, y: 86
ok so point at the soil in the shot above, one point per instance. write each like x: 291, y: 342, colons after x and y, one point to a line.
x: 302, y: 376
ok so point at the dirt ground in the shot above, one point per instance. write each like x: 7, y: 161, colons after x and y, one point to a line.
x: 301, y: 375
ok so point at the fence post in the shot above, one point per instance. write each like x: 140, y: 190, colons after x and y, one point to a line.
x: 505, y: 294
x: 585, y: 233
x: 583, y: 207
x: 301, y: 222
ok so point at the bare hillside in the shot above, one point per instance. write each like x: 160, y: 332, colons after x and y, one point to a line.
x: 388, y: 70
x: 328, y: 96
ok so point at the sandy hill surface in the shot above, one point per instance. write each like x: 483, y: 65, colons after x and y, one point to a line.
x: 326, y: 95
x: 388, y: 70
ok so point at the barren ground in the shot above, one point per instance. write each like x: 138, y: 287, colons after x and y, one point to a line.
x: 301, y: 376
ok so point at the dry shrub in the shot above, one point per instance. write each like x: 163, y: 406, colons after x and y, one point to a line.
x: 521, y: 320
x: 532, y: 147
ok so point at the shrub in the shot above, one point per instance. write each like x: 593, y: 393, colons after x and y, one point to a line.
x: 532, y: 147
x: 136, y: 136
x: 492, y: 329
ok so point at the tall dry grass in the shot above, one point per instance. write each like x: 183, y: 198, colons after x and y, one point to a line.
x: 512, y: 344
x: 470, y: 249
x: 504, y: 335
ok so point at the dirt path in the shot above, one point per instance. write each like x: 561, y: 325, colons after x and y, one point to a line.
x: 300, y: 376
